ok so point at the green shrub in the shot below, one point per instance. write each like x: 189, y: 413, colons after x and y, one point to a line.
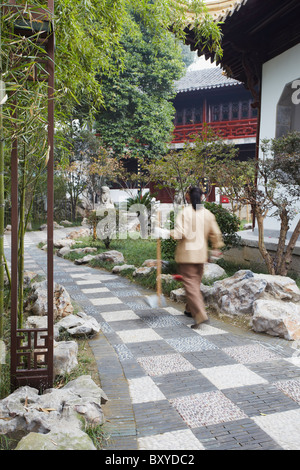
x: 229, y: 224
x: 168, y: 245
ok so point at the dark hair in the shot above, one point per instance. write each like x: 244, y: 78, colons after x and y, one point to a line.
x: 195, y: 195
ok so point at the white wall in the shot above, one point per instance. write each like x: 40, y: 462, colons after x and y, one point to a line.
x: 276, y: 74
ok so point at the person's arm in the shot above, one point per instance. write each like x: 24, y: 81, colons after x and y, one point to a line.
x: 215, y: 236
x: 179, y: 232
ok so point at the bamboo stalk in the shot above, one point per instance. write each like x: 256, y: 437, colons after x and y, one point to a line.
x: 158, y: 261
x: 1, y: 198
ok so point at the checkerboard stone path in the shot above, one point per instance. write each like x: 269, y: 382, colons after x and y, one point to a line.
x: 174, y: 388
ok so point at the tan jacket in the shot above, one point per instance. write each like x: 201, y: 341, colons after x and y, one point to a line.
x: 193, y: 229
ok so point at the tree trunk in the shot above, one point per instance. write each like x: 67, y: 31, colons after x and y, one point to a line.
x: 286, y: 260
x: 280, y: 254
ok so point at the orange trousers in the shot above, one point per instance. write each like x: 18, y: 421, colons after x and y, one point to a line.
x: 192, y: 276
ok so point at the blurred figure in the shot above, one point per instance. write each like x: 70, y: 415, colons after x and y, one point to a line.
x: 195, y: 226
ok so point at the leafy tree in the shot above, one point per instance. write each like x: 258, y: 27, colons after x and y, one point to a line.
x: 138, y: 116
x: 178, y: 170
x: 91, y: 41
x: 85, y: 166
x: 87, y: 44
x: 276, y: 193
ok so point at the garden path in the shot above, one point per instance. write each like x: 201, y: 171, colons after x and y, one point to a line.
x: 174, y: 388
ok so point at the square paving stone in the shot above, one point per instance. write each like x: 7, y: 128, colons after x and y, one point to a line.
x: 105, y: 301
x: 95, y: 290
x: 138, y: 335
x: 175, y: 331
x: 164, y: 364
x: 174, y: 440
x: 242, y: 434
x: 228, y: 340
x: 291, y: 388
x: 207, y: 330
x: 173, y: 311
x: 128, y: 325
x: 194, y: 343
x: 143, y: 390
x: 119, y: 315
x: 283, y: 427
x: 276, y: 371
x: 150, y: 348
x: 251, y: 353
x: 137, y: 305
x: 209, y: 358
x: 229, y: 376
x: 183, y: 383
x: 260, y: 399
x: 156, y: 417
x: 127, y: 293
x: 207, y: 408
x: 163, y: 321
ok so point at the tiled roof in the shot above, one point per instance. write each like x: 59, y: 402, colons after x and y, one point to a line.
x: 204, y: 79
x: 221, y: 9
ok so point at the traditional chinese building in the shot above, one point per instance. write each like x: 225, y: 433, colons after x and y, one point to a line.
x: 261, y: 48
x: 208, y: 97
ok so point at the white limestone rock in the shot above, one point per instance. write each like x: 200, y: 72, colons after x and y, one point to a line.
x: 277, y: 318
x: 112, y: 256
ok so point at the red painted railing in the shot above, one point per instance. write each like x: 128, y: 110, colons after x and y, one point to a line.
x: 241, y: 129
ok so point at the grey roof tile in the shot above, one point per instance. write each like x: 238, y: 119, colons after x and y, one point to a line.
x: 204, y: 79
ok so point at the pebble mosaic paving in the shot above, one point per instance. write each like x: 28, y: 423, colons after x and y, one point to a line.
x: 209, y: 389
x: 198, y: 389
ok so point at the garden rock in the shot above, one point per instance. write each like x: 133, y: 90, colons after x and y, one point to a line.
x: 123, y: 267
x: 66, y: 222
x: 212, y: 272
x: 65, y: 250
x: 37, y: 302
x: 277, y: 318
x: 236, y: 295
x: 65, y: 357
x: 143, y: 271
x: 86, y: 388
x: 271, y: 302
x: 74, y: 439
x: 79, y: 325
x: 178, y: 295
x: 57, y: 414
x: 149, y: 263
x: 113, y: 256
x: 82, y: 232
x: 64, y: 242
x: 86, y: 259
x: 87, y: 249
x: 167, y: 278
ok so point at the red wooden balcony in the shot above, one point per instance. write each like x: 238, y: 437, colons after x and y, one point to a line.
x: 241, y: 129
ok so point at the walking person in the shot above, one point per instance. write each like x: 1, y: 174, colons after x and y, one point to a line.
x: 195, y: 226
